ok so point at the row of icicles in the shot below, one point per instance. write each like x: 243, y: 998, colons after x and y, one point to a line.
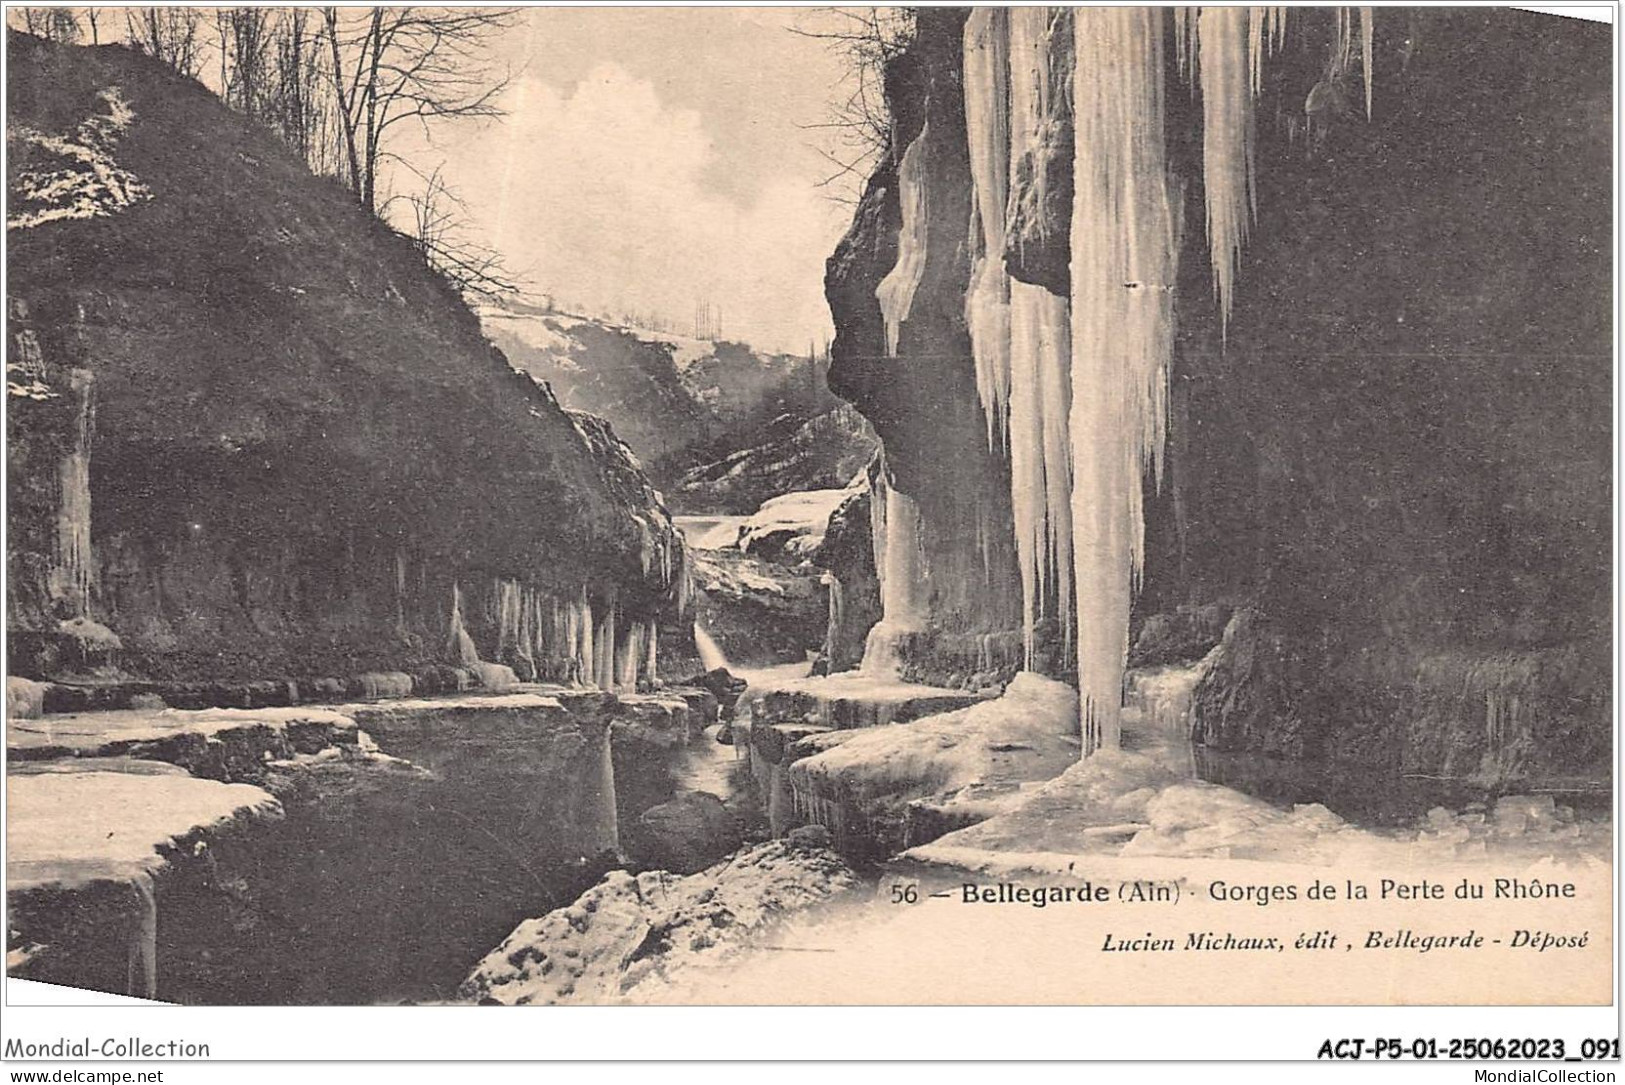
x: 1077, y: 388
x: 557, y: 640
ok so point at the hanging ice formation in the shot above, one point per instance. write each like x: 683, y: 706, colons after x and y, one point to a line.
x: 1077, y: 387
x: 71, y: 573
x: 1125, y: 249
x: 896, y: 291
x: 1019, y: 332
x: 987, y: 121
x: 895, y: 524
x: 546, y: 638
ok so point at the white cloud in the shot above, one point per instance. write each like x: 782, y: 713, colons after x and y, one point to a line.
x: 599, y: 192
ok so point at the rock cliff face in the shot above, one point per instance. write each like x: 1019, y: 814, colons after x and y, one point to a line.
x: 919, y: 393
x: 252, y: 436
x: 790, y: 453
x: 1391, y: 457
x: 665, y: 394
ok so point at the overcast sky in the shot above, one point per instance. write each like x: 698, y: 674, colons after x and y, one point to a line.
x: 651, y: 158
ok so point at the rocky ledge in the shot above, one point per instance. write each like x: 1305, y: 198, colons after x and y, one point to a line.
x: 629, y: 937
x: 88, y: 843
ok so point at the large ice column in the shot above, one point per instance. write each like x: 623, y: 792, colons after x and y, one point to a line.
x: 987, y: 129
x: 1229, y: 80
x: 1041, y: 455
x: 652, y: 653
x: 1124, y: 256
x: 72, y: 571
x: 604, y: 648
x: 1228, y: 47
x: 901, y: 568
x: 896, y: 291
x: 1041, y: 385
x: 458, y: 641
x: 494, y: 676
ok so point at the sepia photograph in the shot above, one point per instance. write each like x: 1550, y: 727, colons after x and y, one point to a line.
x: 701, y: 506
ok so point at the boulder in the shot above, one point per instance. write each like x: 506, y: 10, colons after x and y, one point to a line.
x: 685, y: 835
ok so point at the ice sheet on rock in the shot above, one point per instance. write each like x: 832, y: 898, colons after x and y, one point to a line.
x: 986, y: 750
x: 710, y: 532
x: 87, y: 732
x: 25, y: 698
x: 735, y: 579
x: 1152, y: 811
x: 629, y: 936
x: 67, y: 829
x: 896, y: 291
x: 803, y: 513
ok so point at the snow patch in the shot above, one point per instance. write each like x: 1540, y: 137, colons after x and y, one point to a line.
x: 628, y: 937
x: 804, y: 514
x: 976, y: 756
x: 88, y: 183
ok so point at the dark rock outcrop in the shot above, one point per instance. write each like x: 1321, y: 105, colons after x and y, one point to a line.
x: 670, y: 396
x: 1395, y: 457
x: 684, y: 835
x: 848, y: 555
x: 758, y: 612
x: 922, y: 399
x: 294, y: 441
x: 793, y: 452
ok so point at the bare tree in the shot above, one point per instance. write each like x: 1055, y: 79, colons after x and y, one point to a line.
x: 53, y: 24
x: 173, y: 35
x: 859, y: 121
x: 437, y: 225
x: 300, y: 96
x: 246, y: 37
x: 391, y: 65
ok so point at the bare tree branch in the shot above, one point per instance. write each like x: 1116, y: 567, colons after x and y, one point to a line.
x: 436, y: 226
x: 865, y: 40
x: 390, y: 65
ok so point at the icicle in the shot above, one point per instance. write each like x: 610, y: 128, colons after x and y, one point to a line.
x: 628, y: 654
x: 604, y: 649
x: 71, y: 574
x: 902, y: 589
x: 603, y: 820
x: 1124, y: 251
x: 587, y: 644
x: 896, y: 291
x: 1367, y: 34
x: 987, y: 303
x: 143, y: 966
x: 651, y: 671
x: 510, y: 620
x: 1028, y: 493
x: 400, y: 591
x: 458, y: 642
x: 1224, y: 34
x: 837, y: 614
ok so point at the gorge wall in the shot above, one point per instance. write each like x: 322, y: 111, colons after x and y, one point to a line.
x: 251, y: 436
x: 720, y: 426
x: 1385, y: 392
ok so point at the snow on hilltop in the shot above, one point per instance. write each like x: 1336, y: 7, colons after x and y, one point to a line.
x: 664, y: 393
